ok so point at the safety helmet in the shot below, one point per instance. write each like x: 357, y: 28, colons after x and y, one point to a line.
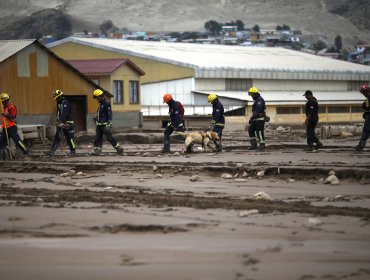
x: 364, y: 88
x: 167, y: 97
x: 57, y: 93
x: 252, y: 91
x: 4, y: 96
x: 98, y: 92
x: 212, y: 97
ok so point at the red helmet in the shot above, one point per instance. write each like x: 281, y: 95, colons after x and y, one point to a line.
x: 365, y: 89
x: 167, y: 97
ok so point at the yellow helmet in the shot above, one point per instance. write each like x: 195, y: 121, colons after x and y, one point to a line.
x: 98, y: 92
x: 4, y: 96
x: 212, y: 97
x: 252, y: 90
x: 57, y: 93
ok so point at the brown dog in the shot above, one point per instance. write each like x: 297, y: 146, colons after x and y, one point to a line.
x: 200, y: 137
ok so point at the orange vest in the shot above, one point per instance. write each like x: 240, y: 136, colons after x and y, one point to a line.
x: 9, y: 109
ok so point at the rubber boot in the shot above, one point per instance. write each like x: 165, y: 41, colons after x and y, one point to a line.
x: 166, y: 149
x: 360, y: 147
x: 309, y: 148
x: 95, y: 152
x: 72, y: 153
x: 319, y: 145
x: 218, y: 146
x: 253, y: 144
x: 51, y: 152
x: 262, y: 147
x: 119, y: 149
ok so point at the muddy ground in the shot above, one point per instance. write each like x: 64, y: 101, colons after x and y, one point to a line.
x: 150, y: 216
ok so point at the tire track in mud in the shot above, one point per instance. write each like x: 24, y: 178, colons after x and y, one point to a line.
x: 30, y: 196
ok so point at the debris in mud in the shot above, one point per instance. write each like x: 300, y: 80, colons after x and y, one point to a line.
x: 248, y: 212
x: 136, y: 228
x: 262, y: 195
x: 332, y: 180
x: 226, y: 176
x: 194, y: 178
x: 260, y: 173
x: 312, y: 222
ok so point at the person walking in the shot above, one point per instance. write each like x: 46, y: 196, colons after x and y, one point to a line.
x: 218, y: 119
x: 176, y: 123
x: 257, y: 121
x: 9, y: 125
x: 64, y: 124
x: 365, y: 91
x: 311, y: 121
x: 103, y: 122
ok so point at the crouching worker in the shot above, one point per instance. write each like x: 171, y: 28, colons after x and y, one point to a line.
x: 176, y: 123
x: 64, y: 124
x: 9, y: 126
x: 103, y: 123
x: 218, y: 119
x: 365, y: 91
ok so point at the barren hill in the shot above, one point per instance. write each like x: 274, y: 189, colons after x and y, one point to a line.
x: 322, y: 19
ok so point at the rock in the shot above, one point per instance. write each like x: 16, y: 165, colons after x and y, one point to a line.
x: 260, y: 173
x: 245, y: 174
x: 239, y: 180
x: 66, y: 174
x: 194, y: 178
x: 331, y: 172
x: 72, y: 172
x: 312, y: 222
x: 239, y: 165
x: 248, y: 212
x: 80, y: 173
x: 141, y: 180
x: 108, y: 188
x: 39, y: 199
x: 332, y: 180
x: 290, y: 180
x: 236, y: 175
x: 155, y: 168
x: 262, y: 195
x: 158, y: 175
x: 147, y: 154
x: 344, y: 134
x: 78, y: 185
x: 280, y: 128
x: 176, y: 154
x: 226, y: 176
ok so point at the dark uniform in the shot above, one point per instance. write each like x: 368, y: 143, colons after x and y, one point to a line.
x: 257, y: 123
x: 65, y: 125
x: 366, y: 130
x: 104, y: 127
x: 312, y: 119
x: 8, y: 122
x: 176, y: 123
x: 218, y: 119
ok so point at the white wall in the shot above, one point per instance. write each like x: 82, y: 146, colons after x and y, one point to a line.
x: 210, y: 84
x: 289, y: 85
x: 152, y: 94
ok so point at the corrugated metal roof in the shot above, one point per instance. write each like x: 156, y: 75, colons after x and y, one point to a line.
x: 102, y: 66
x: 293, y: 97
x: 11, y: 47
x: 220, y: 61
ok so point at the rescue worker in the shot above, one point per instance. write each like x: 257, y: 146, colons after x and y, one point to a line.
x: 103, y: 122
x: 176, y: 122
x: 312, y: 119
x: 218, y: 119
x: 257, y: 120
x: 64, y: 124
x: 365, y: 91
x: 9, y: 125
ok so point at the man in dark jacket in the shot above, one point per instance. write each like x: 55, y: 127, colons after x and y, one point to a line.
x: 257, y: 120
x: 312, y: 118
x: 365, y: 90
x: 64, y: 124
x: 103, y: 122
x: 218, y: 119
x: 176, y: 122
x: 9, y: 125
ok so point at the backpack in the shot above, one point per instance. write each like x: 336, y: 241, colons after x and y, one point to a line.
x: 181, y: 108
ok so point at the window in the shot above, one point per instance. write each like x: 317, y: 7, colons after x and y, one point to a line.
x: 356, y: 109
x: 117, y: 92
x: 288, y: 110
x: 338, y: 109
x: 238, y: 84
x: 322, y: 109
x: 134, y: 92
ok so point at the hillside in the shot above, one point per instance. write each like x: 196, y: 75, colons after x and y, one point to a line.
x: 322, y: 19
